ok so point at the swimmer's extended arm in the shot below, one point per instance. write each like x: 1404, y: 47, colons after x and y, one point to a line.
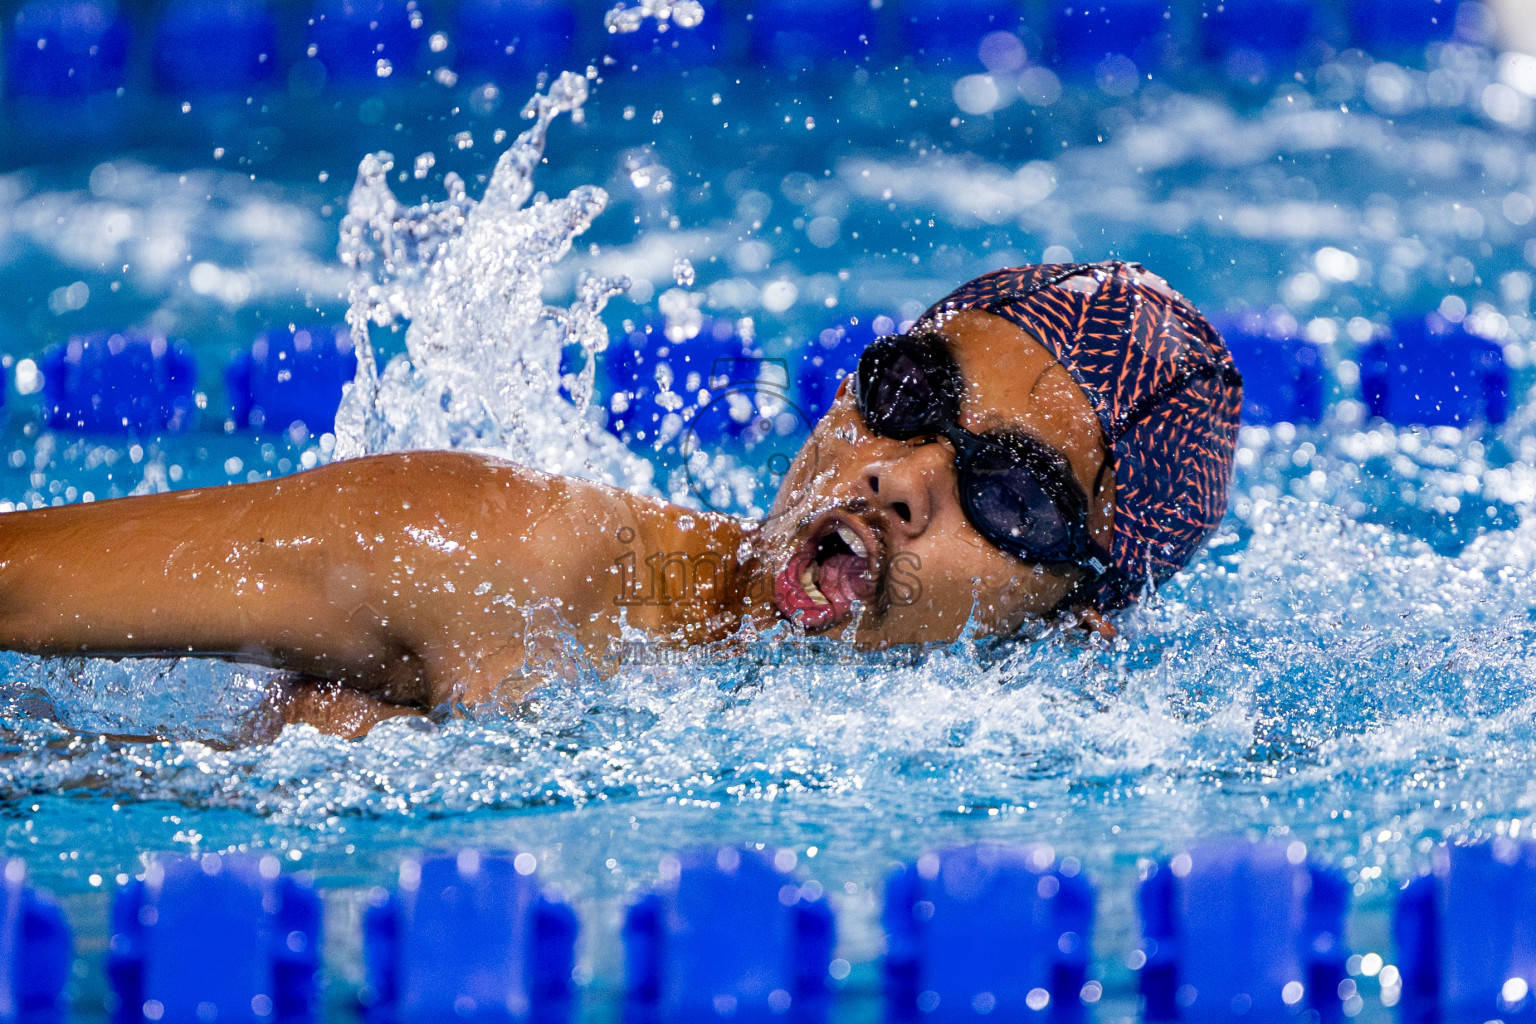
x: 405, y: 576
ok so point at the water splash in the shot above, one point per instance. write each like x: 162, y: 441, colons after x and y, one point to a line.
x: 1350, y: 656
x: 482, y: 362
x: 215, y: 702
x: 1374, y: 676
x: 683, y: 13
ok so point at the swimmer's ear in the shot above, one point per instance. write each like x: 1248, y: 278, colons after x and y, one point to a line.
x: 1092, y: 621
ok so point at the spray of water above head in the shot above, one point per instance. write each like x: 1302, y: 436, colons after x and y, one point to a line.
x: 683, y: 13
x: 481, y: 366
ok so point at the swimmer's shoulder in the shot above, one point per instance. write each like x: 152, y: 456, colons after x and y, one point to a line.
x: 438, y: 478
x: 444, y: 467
x: 585, y: 518
x: 565, y: 518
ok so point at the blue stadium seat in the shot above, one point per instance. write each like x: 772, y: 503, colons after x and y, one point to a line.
x: 119, y: 383
x: 351, y: 37
x: 1427, y: 378
x: 469, y: 938
x: 291, y: 375
x: 1241, y: 931
x: 1466, y: 936
x: 38, y: 952
x: 214, y: 46
x: 987, y: 930
x: 66, y: 48
x: 949, y: 30
x: 1400, y: 28
x: 1087, y: 33
x: 728, y: 934
x: 514, y: 38
x: 1258, y: 38
x: 1282, y: 374
x: 831, y: 355
x: 797, y: 35
x: 215, y: 938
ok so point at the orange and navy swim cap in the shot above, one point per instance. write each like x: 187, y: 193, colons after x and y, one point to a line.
x: 1165, y: 389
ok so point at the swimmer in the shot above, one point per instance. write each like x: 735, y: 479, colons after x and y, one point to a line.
x: 1044, y: 440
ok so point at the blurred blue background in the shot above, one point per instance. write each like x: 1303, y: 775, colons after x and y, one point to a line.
x: 1319, y: 176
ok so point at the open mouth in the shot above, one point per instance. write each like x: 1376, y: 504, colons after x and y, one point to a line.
x: 834, y: 567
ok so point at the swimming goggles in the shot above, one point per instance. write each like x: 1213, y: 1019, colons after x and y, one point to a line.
x: 1018, y: 493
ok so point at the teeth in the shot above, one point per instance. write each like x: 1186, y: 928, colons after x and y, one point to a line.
x: 852, y: 540
x: 808, y: 584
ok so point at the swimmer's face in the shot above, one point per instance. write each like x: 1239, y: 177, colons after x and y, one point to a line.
x: 925, y: 569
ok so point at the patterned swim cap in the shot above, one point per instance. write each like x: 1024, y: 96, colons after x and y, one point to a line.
x: 1166, y: 391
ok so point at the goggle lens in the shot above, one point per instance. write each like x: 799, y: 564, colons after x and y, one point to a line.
x: 1018, y: 494
x: 904, y: 388
x: 1005, y: 498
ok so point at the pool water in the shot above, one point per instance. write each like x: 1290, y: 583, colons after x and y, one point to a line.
x: 1347, y: 662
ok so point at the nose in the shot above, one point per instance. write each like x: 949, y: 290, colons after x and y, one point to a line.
x: 908, y: 482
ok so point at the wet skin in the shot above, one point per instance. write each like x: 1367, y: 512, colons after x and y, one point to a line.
x: 398, y: 583
x: 928, y: 570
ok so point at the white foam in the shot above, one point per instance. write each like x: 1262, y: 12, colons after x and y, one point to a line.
x: 481, y: 368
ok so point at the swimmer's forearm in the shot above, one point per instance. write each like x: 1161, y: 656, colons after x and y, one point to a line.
x: 398, y: 571
x: 333, y: 709
x: 172, y: 573
x: 303, y: 572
